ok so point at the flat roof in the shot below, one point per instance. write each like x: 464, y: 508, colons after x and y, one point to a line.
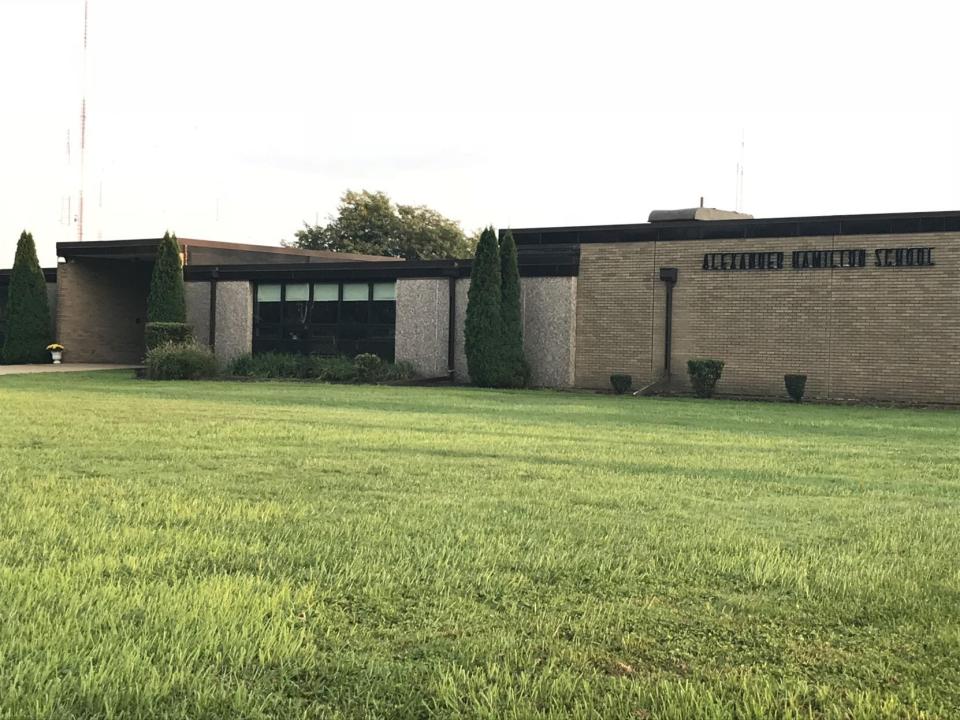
x: 813, y: 226
x: 541, y: 261
x: 145, y: 249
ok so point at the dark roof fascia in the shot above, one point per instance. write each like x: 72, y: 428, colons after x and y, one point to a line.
x: 49, y: 275
x: 148, y: 246
x: 814, y: 226
x: 541, y: 262
x: 67, y: 250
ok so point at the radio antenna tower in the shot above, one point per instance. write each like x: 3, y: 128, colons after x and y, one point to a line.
x: 83, y: 126
x: 739, y: 203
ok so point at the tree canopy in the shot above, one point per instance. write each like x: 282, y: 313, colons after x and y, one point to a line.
x: 370, y: 223
x: 28, y: 313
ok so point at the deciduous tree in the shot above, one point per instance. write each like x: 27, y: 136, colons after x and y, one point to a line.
x: 371, y: 224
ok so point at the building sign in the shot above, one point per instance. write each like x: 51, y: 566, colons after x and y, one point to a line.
x: 820, y: 259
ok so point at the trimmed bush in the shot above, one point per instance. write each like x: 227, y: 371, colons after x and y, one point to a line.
x: 28, y: 314
x: 161, y: 333
x: 704, y: 375
x: 796, y: 386
x: 271, y: 365
x: 515, y: 372
x: 331, y: 369
x: 180, y: 361
x: 398, y: 371
x: 166, y: 302
x: 317, y: 367
x: 369, y: 367
x: 483, y: 326
x: 621, y: 383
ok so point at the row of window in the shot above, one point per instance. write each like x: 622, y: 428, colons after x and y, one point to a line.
x: 325, y: 318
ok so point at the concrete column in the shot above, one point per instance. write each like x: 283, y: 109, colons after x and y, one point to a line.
x: 422, y: 331
x: 234, y: 320
x: 461, y: 373
x: 549, y: 307
x: 197, y: 295
x: 549, y: 329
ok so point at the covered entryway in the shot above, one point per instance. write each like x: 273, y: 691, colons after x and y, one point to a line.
x: 102, y: 300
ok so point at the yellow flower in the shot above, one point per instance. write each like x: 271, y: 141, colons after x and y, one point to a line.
x: 55, y: 347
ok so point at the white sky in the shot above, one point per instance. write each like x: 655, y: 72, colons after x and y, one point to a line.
x: 240, y: 120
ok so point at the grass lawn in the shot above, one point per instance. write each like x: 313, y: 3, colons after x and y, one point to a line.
x: 281, y: 550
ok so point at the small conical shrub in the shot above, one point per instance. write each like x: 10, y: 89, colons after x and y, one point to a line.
x: 166, y: 302
x: 482, y: 329
x: 796, y: 385
x: 28, y: 314
x: 516, y: 372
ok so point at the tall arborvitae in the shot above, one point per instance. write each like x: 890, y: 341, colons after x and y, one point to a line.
x: 516, y: 373
x: 482, y: 330
x: 28, y: 314
x: 166, y: 302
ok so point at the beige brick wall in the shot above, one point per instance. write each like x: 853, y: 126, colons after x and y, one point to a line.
x: 871, y: 333
x: 101, y: 310
x: 615, y: 313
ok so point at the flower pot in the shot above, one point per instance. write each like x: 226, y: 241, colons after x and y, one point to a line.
x: 57, y: 356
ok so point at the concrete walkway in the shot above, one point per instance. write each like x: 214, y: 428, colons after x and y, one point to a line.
x: 66, y: 367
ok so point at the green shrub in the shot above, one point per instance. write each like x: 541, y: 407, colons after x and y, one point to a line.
x: 331, y: 369
x: 161, y: 333
x: 270, y: 365
x: 166, y: 301
x: 796, y: 386
x: 362, y: 368
x: 369, y: 367
x: 398, y: 371
x: 704, y: 375
x: 27, y: 311
x: 180, y: 361
x: 483, y: 328
x: 621, y: 383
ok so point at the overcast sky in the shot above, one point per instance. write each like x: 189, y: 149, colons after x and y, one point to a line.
x: 241, y: 120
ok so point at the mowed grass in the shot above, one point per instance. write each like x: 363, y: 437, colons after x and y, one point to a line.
x: 283, y: 550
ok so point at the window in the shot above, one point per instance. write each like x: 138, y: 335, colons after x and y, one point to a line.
x: 383, y: 309
x: 268, y: 303
x: 355, y: 307
x: 326, y: 298
x: 326, y: 318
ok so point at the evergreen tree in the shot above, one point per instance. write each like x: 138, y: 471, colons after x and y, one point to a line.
x: 482, y: 330
x: 28, y: 314
x: 166, y: 301
x: 516, y: 372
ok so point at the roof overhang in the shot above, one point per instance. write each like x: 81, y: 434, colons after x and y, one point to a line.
x: 542, y: 261
x: 146, y: 249
x: 814, y: 226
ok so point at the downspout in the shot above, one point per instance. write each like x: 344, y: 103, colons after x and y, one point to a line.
x: 668, y: 276
x: 452, y: 325
x: 213, y: 310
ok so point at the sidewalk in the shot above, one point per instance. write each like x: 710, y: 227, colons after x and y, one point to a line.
x: 66, y: 367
